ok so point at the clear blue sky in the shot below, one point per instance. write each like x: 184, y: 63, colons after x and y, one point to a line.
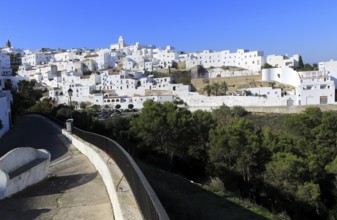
x: 273, y: 26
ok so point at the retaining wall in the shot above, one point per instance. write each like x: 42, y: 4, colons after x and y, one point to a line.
x: 122, y: 199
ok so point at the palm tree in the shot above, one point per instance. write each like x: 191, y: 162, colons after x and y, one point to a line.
x: 216, y: 88
x: 224, y: 87
x: 207, y: 89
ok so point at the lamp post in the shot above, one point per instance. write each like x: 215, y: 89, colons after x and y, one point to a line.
x: 70, y: 93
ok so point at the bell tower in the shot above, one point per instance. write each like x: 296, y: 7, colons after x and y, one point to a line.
x: 121, y: 42
x: 8, y: 44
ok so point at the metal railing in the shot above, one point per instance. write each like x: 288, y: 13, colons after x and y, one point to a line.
x: 147, y: 200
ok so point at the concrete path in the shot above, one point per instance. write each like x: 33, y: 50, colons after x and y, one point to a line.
x: 73, y: 190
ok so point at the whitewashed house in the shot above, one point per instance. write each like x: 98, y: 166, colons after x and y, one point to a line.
x: 283, y: 60
x: 311, y: 87
x: 166, y: 56
x: 36, y: 58
x: 330, y: 67
x: 5, y: 108
x: 250, y: 60
x: 5, y: 64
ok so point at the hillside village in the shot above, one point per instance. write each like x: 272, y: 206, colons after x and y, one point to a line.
x: 126, y: 74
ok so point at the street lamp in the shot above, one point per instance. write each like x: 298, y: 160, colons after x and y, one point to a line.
x: 70, y: 93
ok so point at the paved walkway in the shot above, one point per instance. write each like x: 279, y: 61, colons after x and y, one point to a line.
x: 73, y: 190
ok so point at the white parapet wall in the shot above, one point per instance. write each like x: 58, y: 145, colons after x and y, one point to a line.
x: 122, y: 199
x: 22, y: 167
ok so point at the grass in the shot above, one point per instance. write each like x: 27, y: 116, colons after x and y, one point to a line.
x: 183, y: 199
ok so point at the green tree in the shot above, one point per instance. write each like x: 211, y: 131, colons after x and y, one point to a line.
x: 288, y: 173
x: 118, y: 106
x: 215, y: 88
x: 238, y: 112
x: 223, y: 87
x: 222, y: 116
x: 163, y: 128
x: 309, y: 193
x: 202, y: 122
x: 83, y: 105
x: 25, y: 96
x: 285, y: 172
x: 96, y: 107
x: 267, y: 66
x: 237, y: 148
x: 207, y: 89
x: 130, y: 106
x: 63, y: 114
x: 300, y: 65
x: 45, y: 106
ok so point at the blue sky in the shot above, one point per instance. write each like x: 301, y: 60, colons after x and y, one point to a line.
x: 273, y: 26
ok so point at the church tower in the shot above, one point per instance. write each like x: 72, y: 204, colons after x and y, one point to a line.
x: 8, y: 44
x: 121, y: 42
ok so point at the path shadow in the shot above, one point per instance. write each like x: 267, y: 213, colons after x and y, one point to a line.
x: 22, y: 214
x: 56, y: 185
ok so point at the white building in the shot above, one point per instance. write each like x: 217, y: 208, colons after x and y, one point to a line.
x: 12, y: 50
x: 5, y: 109
x: 40, y: 73
x: 330, y: 67
x: 250, y: 60
x: 283, y: 60
x: 166, y: 56
x: 36, y: 58
x: 71, y: 65
x: 136, y: 101
x: 311, y: 87
x: 120, y: 45
x: 5, y: 65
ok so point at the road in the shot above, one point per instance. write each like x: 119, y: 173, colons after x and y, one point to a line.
x: 34, y: 131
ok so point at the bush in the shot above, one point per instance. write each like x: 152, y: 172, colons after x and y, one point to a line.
x: 217, y: 186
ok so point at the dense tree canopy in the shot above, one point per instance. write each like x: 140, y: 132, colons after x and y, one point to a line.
x: 25, y: 96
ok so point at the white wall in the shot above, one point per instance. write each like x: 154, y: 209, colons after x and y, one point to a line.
x: 123, y: 202
x: 330, y: 67
x: 17, y: 158
x: 250, y: 60
x: 285, y: 75
x: 5, y: 61
x: 196, y: 100
x: 36, y: 59
x: 283, y: 60
x: 5, y: 65
x: 267, y: 91
x: 5, y: 111
x: 311, y: 86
